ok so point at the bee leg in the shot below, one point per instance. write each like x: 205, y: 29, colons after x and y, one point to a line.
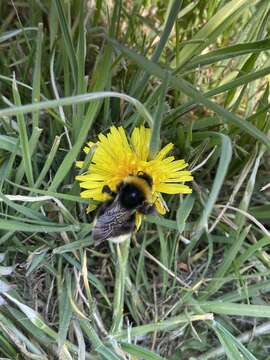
x: 147, y: 209
x: 107, y: 190
x: 119, y: 186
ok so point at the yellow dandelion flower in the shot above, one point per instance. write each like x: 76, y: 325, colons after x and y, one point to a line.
x: 116, y: 157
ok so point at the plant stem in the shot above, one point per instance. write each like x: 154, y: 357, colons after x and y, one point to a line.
x: 122, y: 250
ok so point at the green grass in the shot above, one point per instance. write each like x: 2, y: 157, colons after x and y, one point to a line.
x: 192, y: 285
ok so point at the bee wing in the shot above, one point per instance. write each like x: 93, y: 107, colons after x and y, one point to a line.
x: 113, y: 222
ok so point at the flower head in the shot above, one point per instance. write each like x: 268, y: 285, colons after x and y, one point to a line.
x: 115, y: 157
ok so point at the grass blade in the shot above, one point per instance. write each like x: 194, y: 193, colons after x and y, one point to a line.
x: 227, y: 338
x: 225, y: 158
x: 227, y: 53
x: 233, y: 309
x: 218, y: 23
x: 155, y: 137
x: 140, y: 352
x: 174, y: 10
x: 37, y: 74
x: 189, y: 90
x: 229, y: 346
x: 23, y: 138
x: 68, y: 42
x: 229, y: 257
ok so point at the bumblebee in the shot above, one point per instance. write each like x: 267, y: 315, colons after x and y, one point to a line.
x: 115, y: 219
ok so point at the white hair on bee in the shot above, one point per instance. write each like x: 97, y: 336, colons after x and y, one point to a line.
x: 119, y: 239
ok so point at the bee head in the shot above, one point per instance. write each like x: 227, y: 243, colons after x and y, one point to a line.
x: 131, y: 196
x: 135, y: 190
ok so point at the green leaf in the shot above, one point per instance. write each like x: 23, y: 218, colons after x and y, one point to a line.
x: 232, y: 346
x: 140, y: 352
x: 20, y: 226
x: 24, y: 142
x: 37, y: 74
x: 9, y: 143
x: 155, y: 137
x: 233, y: 309
x: 65, y: 313
x: 229, y: 257
x: 11, y: 33
x: 225, y: 158
x: 183, y: 212
x: 227, y: 53
x: 67, y: 40
x: 172, y: 16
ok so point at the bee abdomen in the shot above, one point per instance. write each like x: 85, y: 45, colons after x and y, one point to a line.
x: 103, y: 230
